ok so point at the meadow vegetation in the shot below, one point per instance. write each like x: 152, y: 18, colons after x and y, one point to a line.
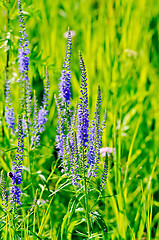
x: 119, y: 42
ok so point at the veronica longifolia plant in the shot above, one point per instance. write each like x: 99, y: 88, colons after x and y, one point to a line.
x: 24, y: 66
x: 78, y: 139
x: 79, y: 143
x: 9, y: 111
x: 17, y: 167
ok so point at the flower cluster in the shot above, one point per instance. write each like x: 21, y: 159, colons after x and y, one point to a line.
x: 24, y: 67
x: 83, y: 114
x: 9, y: 111
x: 24, y: 43
x: 40, y: 116
x: 17, y: 167
x: 46, y: 90
x: 63, y: 103
x: 65, y: 80
x: 79, y: 140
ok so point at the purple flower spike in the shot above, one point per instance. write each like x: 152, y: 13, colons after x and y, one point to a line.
x: 83, y: 114
x: 60, y: 130
x: 9, y: 111
x: 42, y: 119
x: 105, y: 173
x: 24, y: 66
x: 63, y: 105
x: 78, y: 141
x: 17, y: 167
x: 46, y: 90
x: 65, y: 79
x: 40, y: 116
x: 24, y: 125
x: 95, y: 139
x: 73, y: 151
x: 24, y: 43
x: 92, y: 150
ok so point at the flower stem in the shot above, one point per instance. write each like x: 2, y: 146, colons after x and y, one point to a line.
x: 87, y: 208
x: 86, y: 198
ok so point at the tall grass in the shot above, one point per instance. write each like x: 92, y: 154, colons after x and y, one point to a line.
x: 119, y: 41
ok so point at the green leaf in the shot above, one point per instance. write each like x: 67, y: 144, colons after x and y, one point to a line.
x: 64, y: 222
x: 61, y: 187
x: 101, y: 223
x: 72, y: 206
x: 35, y: 234
x: 71, y: 227
x: 41, y: 176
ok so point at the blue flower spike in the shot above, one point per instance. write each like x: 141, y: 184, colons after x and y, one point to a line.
x: 83, y: 113
x: 105, y: 173
x: 17, y: 167
x: 95, y: 139
x: 9, y: 111
x: 24, y: 67
x: 43, y: 112
x: 65, y: 79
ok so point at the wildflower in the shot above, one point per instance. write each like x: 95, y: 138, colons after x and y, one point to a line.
x: 24, y: 66
x: 65, y: 156
x: 106, y: 150
x: 78, y: 141
x: 104, y: 122
x: 17, y: 167
x: 24, y: 43
x: 73, y: 151
x: 72, y: 33
x: 61, y: 140
x: 105, y: 172
x: 63, y: 103
x: 131, y: 53
x: 42, y: 114
x: 65, y: 79
x: 95, y: 139
x: 4, y: 197
x: 42, y: 119
x: 46, y: 90
x: 64, y: 114
x: 9, y: 111
x: 83, y: 114
x: 24, y: 125
x: 92, y: 150
x: 60, y: 129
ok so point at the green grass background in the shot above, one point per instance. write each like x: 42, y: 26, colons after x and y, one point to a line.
x: 119, y: 41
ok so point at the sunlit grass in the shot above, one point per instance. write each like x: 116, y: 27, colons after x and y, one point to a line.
x: 119, y: 41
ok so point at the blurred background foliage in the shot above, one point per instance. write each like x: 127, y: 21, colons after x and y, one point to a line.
x: 120, y: 44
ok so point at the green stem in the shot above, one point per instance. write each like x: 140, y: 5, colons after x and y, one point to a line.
x: 86, y: 207
x: 86, y: 195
